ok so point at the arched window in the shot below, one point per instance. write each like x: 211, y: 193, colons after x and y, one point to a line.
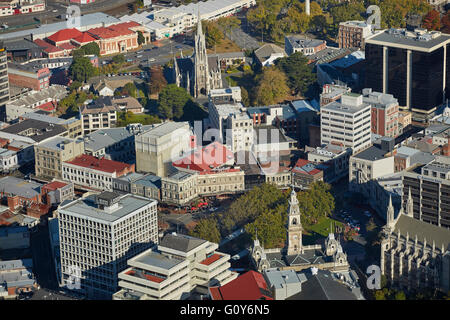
x: 294, y: 221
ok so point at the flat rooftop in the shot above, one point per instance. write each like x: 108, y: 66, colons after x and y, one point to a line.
x: 88, y: 208
x: 373, y: 153
x: 156, y: 259
x: 418, y: 41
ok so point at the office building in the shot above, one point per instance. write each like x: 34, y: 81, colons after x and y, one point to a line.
x: 346, y: 122
x: 4, y: 83
x: 413, y: 66
x: 179, y: 267
x: 50, y: 155
x: 98, y: 234
x: 157, y: 147
x: 384, y: 113
x: 352, y: 34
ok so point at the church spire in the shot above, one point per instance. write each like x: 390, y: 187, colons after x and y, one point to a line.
x: 409, y: 204
x: 294, y: 232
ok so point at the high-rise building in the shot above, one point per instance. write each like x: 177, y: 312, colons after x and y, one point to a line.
x: 346, y: 122
x: 98, y: 234
x: 412, y: 66
x: 4, y: 83
x: 429, y: 187
x: 384, y: 112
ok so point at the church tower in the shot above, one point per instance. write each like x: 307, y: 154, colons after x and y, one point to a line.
x: 294, y: 232
x: 201, y: 71
x: 410, y: 205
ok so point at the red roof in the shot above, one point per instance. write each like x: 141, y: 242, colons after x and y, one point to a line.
x: 305, y: 167
x: 54, y: 185
x: 47, y: 46
x: 211, y: 259
x: 208, y: 158
x: 66, y: 46
x: 105, y: 165
x: 249, y: 286
x: 65, y: 35
x: 84, y: 38
x: 149, y: 277
x: 113, y: 31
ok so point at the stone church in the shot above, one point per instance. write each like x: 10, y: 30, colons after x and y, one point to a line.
x: 329, y: 256
x: 414, y: 254
x: 199, y: 73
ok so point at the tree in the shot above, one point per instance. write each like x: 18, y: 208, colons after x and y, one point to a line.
x: 432, y: 21
x: 316, y: 203
x: 270, y: 227
x: 228, y: 24
x: 271, y: 86
x: 299, y: 73
x: 81, y: 69
x: 213, y: 35
x: 206, y: 229
x: 446, y: 22
x: 400, y: 296
x: 129, y: 89
x: 141, y: 38
x: 157, y: 80
x: 118, y: 59
x: 91, y: 48
x: 75, y: 85
x: 171, y: 101
x: 254, y: 203
x: 245, y: 97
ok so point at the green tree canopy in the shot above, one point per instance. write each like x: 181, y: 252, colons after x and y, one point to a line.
x: 299, y: 73
x: 141, y: 38
x: 206, y: 229
x: 91, y: 48
x: 171, y: 101
x: 118, y: 59
x: 81, y: 69
x: 316, y: 202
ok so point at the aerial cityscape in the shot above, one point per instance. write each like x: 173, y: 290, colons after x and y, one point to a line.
x: 211, y: 150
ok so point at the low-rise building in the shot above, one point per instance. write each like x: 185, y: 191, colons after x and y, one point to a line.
x: 23, y: 75
x: 15, y: 7
x: 304, y: 45
x: 179, y: 188
x: 19, y: 193
x: 335, y: 156
x: 8, y: 160
x: 249, y: 286
x: 368, y: 165
x: 93, y: 173
x: 98, y: 115
x: 45, y: 99
x: 332, y: 92
x: 72, y: 125
x: 16, y: 276
x: 179, y: 267
x: 268, y: 53
x: 51, y: 154
x: 304, y: 173
x: 56, y: 192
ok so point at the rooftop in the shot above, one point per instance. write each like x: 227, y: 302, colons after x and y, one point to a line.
x: 419, y: 40
x: 302, y: 42
x: 88, y: 208
x: 305, y: 167
x: 19, y: 187
x: 102, y: 164
x: 373, y: 153
x: 35, y: 129
x: 249, y: 286
x: 180, y: 242
x: 156, y: 259
x: 57, y: 143
x: 65, y: 35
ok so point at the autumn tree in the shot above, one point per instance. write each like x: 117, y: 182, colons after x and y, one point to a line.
x: 432, y: 21
x: 157, y: 80
x: 271, y: 86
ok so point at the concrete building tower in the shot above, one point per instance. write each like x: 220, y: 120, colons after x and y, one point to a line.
x: 294, y: 236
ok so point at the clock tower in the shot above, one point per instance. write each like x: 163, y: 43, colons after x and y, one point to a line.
x: 294, y: 232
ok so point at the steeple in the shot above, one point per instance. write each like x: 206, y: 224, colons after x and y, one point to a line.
x: 390, y: 213
x: 294, y: 232
x: 410, y: 205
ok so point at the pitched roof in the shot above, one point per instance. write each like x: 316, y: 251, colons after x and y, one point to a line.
x: 65, y: 35
x: 249, y: 286
x: 105, y: 165
x: 423, y: 230
x: 84, y: 38
x: 305, y: 167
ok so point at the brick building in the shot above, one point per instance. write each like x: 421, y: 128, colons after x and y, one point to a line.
x: 29, y: 77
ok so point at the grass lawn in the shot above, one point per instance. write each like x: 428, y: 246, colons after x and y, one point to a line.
x: 319, y: 230
x: 122, y: 121
x: 226, y: 45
